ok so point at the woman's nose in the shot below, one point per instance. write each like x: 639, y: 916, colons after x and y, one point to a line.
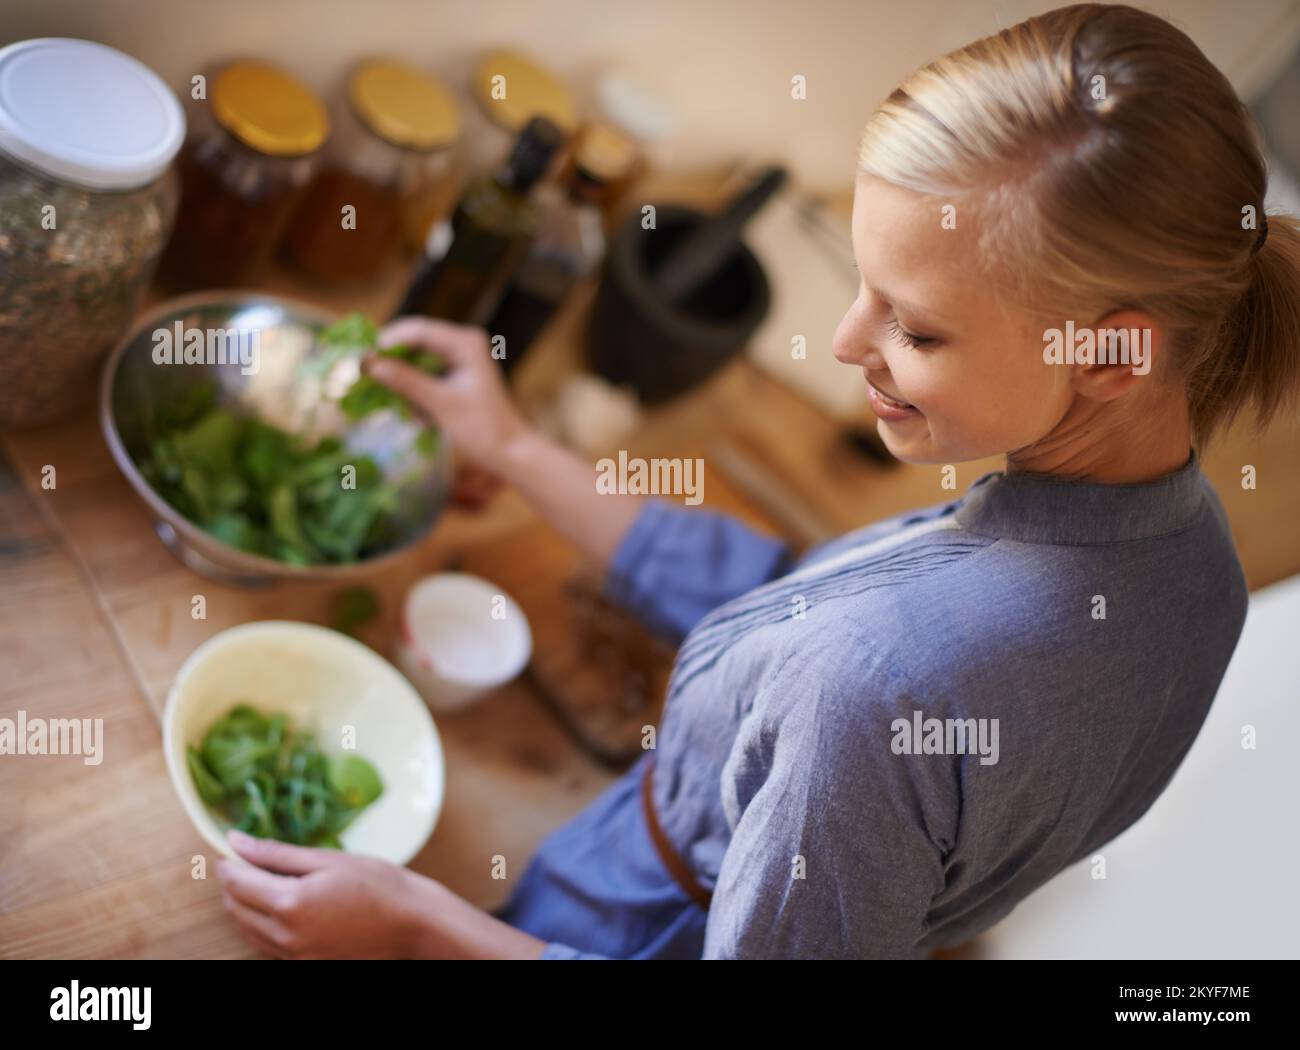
x: 846, y: 346
x: 853, y: 344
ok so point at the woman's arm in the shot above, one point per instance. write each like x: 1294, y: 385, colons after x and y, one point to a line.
x: 563, y: 489
x: 668, y: 565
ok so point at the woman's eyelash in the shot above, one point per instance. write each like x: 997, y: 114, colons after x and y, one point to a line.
x: 914, y: 341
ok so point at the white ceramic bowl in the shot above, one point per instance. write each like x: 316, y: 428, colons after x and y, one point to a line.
x: 323, y: 681
x: 461, y: 637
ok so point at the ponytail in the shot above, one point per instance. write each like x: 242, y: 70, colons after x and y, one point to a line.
x: 1259, y: 361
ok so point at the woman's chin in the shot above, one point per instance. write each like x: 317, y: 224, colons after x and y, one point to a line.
x: 909, y: 441
x: 905, y: 441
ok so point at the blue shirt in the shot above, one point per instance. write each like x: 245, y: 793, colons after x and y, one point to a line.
x: 881, y: 748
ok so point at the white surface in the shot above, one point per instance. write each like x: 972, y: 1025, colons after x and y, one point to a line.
x: 1211, y: 870
x: 1283, y: 193
x: 323, y: 681
x: 87, y: 114
x: 453, y: 648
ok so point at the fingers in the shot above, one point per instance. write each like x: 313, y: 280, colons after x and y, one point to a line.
x: 459, y: 344
x: 283, y: 857
x: 420, y: 388
x: 264, y: 931
x: 400, y: 375
x: 262, y: 890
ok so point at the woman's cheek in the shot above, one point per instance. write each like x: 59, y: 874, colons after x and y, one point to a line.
x: 970, y: 422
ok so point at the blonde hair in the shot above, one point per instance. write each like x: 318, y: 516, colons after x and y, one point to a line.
x: 1113, y: 166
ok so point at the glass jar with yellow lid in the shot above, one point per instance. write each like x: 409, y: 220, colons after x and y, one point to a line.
x: 256, y: 141
x: 509, y: 88
x: 387, y: 174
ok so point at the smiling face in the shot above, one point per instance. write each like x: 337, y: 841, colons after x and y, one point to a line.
x: 952, y: 375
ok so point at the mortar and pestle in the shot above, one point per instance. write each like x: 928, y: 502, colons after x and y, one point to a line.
x: 677, y: 301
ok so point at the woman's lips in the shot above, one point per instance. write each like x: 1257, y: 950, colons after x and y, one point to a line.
x: 890, y: 409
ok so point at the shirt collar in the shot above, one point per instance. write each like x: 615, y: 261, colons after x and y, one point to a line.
x: 1045, y: 508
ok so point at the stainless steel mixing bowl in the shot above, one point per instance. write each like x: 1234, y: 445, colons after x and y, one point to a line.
x: 283, y: 390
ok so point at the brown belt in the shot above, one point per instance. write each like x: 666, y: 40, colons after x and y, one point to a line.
x: 677, y: 867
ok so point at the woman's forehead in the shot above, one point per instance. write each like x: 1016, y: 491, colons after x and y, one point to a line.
x: 913, y: 250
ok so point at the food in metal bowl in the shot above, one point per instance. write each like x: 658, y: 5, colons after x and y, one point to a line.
x: 284, y: 461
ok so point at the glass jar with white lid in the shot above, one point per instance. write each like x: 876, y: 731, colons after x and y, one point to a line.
x: 87, y: 201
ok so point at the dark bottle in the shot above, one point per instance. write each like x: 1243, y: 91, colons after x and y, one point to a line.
x: 469, y: 257
x: 569, y: 242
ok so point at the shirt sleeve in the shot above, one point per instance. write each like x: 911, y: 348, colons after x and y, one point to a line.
x: 838, y: 842
x: 676, y: 564
x: 556, y: 950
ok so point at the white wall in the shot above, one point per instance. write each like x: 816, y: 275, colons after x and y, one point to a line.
x: 724, y: 64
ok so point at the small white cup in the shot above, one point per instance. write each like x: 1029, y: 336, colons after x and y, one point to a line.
x: 462, y: 636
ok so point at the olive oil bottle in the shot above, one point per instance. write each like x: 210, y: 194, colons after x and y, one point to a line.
x: 569, y: 243
x: 470, y: 257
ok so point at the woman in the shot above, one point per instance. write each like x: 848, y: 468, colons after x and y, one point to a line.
x: 881, y: 749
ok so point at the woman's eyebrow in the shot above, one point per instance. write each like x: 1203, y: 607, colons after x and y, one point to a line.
x: 919, y: 313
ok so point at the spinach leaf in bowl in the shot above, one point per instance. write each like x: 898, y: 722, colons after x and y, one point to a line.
x: 271, y: 780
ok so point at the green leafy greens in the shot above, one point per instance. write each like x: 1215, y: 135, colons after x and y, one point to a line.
x: 269, y: 780
x: 356, y: 334
x: 352, y: 608
x: 260, y: 489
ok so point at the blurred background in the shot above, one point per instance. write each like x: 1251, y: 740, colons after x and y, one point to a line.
x: 724, y: 68
x: 520, y: 211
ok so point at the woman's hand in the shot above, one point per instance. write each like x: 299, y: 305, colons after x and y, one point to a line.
x: 470, y: 402
x: 473, y: 405
x: 299, y: 903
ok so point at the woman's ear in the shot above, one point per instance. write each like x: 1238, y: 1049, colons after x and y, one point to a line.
x: 1115, y: 352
